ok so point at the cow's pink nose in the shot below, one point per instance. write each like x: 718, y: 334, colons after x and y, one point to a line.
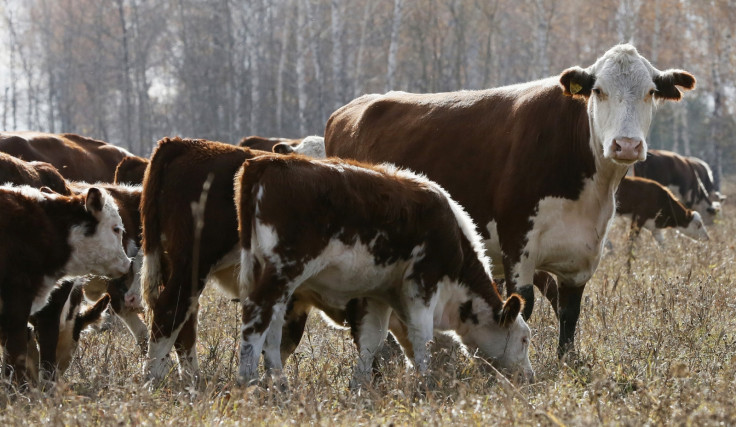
x: 627, y: 149
x: 132, y: 301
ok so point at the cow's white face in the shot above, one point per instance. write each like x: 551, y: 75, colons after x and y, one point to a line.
x: 312, y: 146
x: 622, y: 88
x: 100, y: 252
x: 696, y: 229
x: 506, y: 343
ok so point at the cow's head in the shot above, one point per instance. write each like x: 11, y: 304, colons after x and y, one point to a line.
x: 71, y: 324
x: 312, y: 146
x: 695, y: 229
x: 622, y: 89
x: 502, y: 337
x: 97, y: 240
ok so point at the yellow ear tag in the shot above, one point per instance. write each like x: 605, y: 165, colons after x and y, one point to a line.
x: 575, y: 88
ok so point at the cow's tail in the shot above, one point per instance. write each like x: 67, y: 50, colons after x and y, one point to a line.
x: 167, y: 150
x: 247, y: 188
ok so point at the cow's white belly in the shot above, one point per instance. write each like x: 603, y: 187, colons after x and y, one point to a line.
x: 566, y: 238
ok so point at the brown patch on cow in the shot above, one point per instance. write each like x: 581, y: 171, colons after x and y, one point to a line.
x: 130, y: 170
x: 668, y: 81
x: 511, y: 309
x: 261, y: 143
x: 645, y: 199
x: 35, y: 174
x: 466, y: 312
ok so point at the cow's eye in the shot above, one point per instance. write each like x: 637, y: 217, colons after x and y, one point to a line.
x: 117, y: 229
x: 596, y: 91
x: 652, y: 92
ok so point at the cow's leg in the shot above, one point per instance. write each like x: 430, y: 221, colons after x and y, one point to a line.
x: 14, y: 338
x: 372, y: 330
x: 174, y: 306
x: 47, y: 331
x: 185, y: 345
x: 136, y: 326
x: 520, y: 280
x: 265, y: 304
x: 548, y: 286
x: 569, y: 312
x: 295, y: 320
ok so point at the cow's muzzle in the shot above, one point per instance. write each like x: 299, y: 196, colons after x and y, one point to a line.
x: 628, y: 150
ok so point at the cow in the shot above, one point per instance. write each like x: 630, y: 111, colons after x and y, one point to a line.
x: 685, y: 177
x: 130, y: 170
x: 262, y: 143
x: 345, y: 230
x: 35, y: 174
x: 47, y: 236
x: 706, y: 178
x: 535, y: 164
x: 124, y: 292
x: 312, y: 146
x: 654, y: 207
x: 77, y: 158
x: 57, y: 328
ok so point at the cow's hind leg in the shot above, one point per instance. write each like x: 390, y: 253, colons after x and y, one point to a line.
x: 14, y: 339
x: 372, y: 330
x: 569, y: 312
x: 185, y: 346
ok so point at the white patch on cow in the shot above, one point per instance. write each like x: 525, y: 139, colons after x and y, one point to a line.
x: 42, y: 296
x: 313, y: 146
x: 133, y: 296
x: 150, y: 276
x: 158, y: 363
x: 696, y: 229
x: 224, y: 273
x: 29, y: 192
x: 567, y: 236
x: 101, y: 253
x: 267, y: 239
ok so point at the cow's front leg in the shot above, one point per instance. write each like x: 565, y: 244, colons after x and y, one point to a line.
x: 569, y: 311
x: 272, y: 360
x: 14, y: 340
x: 371, y: 333
x: 520, y: 280
x: 186, y: 346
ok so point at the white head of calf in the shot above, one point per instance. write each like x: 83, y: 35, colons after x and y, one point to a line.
x: 97, y: 246
x: 621, y: 90
x: 502, y: 337
x: 695, y: 229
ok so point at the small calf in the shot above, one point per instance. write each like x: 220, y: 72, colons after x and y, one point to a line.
x: 312, y: 146
x: 47, y: 236
x: 346, y: 230
x: 652, y: 206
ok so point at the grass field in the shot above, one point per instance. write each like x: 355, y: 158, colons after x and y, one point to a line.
x: 656, y: 346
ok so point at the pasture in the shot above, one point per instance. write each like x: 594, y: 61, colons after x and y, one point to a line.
x: 656, y: 346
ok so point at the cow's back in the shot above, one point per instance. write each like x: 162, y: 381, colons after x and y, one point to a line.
x: 497, y: 151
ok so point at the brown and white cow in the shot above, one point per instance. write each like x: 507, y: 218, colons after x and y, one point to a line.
x: 57, y: 328
x: 345, y: 230
x: 77, y: 158
x: 47, y: 236
x: 536, y: 164
x: 652, y: 206
x: 35, y: 174
x: 312, y: 146
x: 130, y: 170
x: 685, y: 177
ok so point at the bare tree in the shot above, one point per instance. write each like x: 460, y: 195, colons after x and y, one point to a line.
x: 394, y: 45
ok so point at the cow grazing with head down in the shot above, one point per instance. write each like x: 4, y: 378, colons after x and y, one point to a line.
x: 536, y: 165
x: 654, y: 207
x: 57, y: 328
x: 380, y: 233
x: 686, y: 177
x: 35, y: 174
x: 46, y: 236
x: 76, y: 157
x: 130, y: 170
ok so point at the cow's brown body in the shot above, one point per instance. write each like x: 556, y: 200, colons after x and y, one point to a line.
x: 130, y: 170
x: 36, y: 174
x: 77, y: 158
x: 265, y: 144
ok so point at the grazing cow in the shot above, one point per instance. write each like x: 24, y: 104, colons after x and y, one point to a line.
x: 654, y: 207
x: 130, y: 170
x: 58, y: 325
x: 47, y: 236
x: 685, y: 177
x: 76, y: 157
x: 706, y: 177
x: 536, y: 165
x: 35, y: 174
x: 374, y: 232
x: 125, y: 292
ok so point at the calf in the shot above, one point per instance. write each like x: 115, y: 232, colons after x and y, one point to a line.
x: 77, y: 158
x: 344, y: 230
x: 130, y: 170
x: 35, y: 174
x: 47, y: 236
x: 654, y: 207
x: 58, y: 325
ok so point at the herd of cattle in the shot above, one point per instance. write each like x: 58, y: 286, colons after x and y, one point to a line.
x: 388, y: 223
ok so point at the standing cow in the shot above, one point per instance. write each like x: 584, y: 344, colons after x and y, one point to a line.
x: 47, y: 236
x: 536, y: 165
x: 35, y: 174
x: 345, y: 230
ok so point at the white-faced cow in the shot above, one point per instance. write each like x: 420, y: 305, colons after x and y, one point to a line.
x: 57, y: 328
x: 77, y: 158
x: 346, y: 230
x: 312, y: 146
x: 652, y: 206
x: 536, y: 165
x: 47, y: 236
x: 35, y: 174
x: 686, y: 177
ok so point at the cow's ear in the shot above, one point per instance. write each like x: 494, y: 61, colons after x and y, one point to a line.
x: 576, y: 81
x: 510, y: 311
x: 90, y: 316
x: 93, y: 202
x: 667, y: 83
x: 283, y: 148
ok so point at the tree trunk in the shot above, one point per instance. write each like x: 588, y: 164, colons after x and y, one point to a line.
x: 301, y: 78
x: 394, y: 45
x: 280, y: 76
x: 338, y: 81
x: 127, y: 92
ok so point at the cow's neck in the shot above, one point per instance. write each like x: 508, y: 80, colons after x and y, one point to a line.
x: 608, y: 174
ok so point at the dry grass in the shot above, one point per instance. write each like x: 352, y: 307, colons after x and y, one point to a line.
x: 656, y: 347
